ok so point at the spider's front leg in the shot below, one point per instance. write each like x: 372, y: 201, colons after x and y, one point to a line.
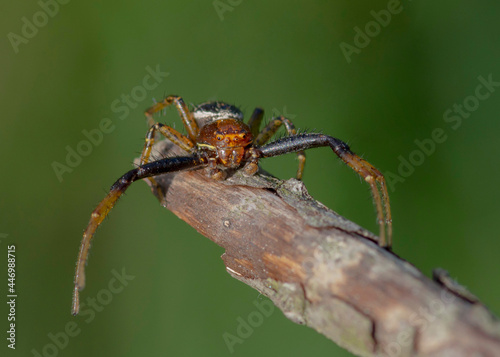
x: 118, y: 188
x: 185, y: 114
x: 369, y: 173
x: 255, y: 120
x: 171, y: 134
x: 270, y: 129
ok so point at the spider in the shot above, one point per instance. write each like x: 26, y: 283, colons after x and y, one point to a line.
x: 218, y: 140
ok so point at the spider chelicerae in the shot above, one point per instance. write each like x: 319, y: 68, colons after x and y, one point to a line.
x: 218, y: 139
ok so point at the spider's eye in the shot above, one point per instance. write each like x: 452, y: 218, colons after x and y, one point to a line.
x: 244, y: 136
x: 219, y: 137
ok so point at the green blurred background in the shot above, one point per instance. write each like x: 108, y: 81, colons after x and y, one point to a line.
x: 284, y: 56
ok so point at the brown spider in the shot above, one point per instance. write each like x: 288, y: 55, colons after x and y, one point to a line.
x: 218, y: 139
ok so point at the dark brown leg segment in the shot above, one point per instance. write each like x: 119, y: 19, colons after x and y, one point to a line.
x: 255, y: 120
x: 369, y: 173
x: 102, y: 210
x: 271, y: 129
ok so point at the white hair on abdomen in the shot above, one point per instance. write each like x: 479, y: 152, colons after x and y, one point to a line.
x: 211, y: 111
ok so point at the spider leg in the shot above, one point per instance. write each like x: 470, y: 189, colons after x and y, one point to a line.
x: 255, y: 120
x: 171, y: 134
x: 369, y: 173
x: 168, y: 132
x: 186, y: 116
x: 271, y: 128
x: 118, y: 188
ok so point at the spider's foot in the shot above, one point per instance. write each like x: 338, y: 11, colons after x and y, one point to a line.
x: 216, y: 174
x: 158, y: 191
x: 302, y: 163
x: 250, y: 169
x: 161, y: 196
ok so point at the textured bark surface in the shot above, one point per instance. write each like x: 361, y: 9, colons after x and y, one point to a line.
x: 328, y: 273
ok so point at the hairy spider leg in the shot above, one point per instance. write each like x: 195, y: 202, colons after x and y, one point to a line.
x: 271, y: 128
x: 186, y: 116
x: 254, y: 122
x: 168, y: 132
x: 102, y: 210
x: 384, y: 216
x: 369, y: 173
x: 171, y: 134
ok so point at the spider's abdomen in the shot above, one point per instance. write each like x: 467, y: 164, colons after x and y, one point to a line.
x: 211, y: 111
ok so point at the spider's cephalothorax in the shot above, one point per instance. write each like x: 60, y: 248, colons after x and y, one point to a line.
x: 218, y: 139
x: 224, y: 142
x: 223, y: 136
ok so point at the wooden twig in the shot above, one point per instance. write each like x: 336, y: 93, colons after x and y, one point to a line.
x: 328, y: 273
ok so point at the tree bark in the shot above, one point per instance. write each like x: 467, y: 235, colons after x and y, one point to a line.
x: 326, y: 272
